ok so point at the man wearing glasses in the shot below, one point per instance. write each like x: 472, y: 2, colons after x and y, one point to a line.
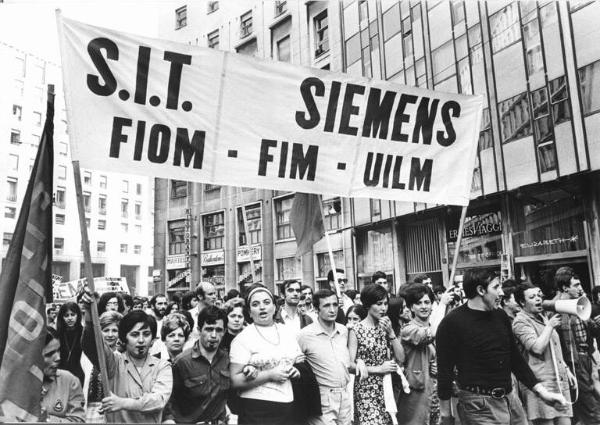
x: 289, y: 314
x: 345, y: 301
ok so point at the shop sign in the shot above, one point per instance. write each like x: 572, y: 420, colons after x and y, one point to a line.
x: 486, y: 224
x: 176, y: 261
x: 212, y: 258
x: 178, y: 277
x: 156, y: 275
x: 549, y: 242
x: 244, y: 253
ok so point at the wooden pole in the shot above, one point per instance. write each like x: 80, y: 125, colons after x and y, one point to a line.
x: 461, y: 226
x: 331, y: 258
x: 89, y: 277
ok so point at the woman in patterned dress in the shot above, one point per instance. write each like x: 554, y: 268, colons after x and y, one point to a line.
x: 373, y: 341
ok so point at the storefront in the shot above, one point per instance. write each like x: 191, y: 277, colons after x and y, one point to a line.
x: 213, y: 269
x: 245, y: 254
x: 375, y: 251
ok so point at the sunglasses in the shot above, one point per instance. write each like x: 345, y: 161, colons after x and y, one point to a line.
x: 342, y: 280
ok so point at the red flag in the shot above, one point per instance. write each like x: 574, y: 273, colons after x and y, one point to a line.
x: 306, y: 219
x: 25, y: 287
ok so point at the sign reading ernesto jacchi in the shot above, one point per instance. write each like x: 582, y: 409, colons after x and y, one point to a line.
x: 175, y: 111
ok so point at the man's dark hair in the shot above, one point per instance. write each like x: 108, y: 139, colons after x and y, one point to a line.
x: 232, y: 293
x: 357, y: 309
x: 133, y: 318
x: 351, y: 293
x: 210, y: 315
x: 105, y: 298
x: 51, y: 334
x: 153, y: 299
x: 319, y: 295
x: 519, y: 292
x: 286, y: 284
x: 188, y: 316
x: 330, y: 274
x: 371, y: 294
x: 420, y: 278
x: 415, y: 292
x: 127, y: 301
x: 477, y: 277
x: 509, y: 283
x: 508, y: 291
x: 378, y: 275
x: 186, y: 300
x: 176, y: 298
x: 438, y: 289
x: 303, y: 287
x: 49, y: 309
x: 563, y: 276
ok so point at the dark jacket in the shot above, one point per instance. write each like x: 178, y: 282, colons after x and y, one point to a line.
x: 304, y: 318
x: 307, y: 397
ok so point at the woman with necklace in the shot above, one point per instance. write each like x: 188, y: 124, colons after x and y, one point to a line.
x: 262, y: 364
x: 421, y: 405
x: 69, y: 329
x: 540, y: 344
x: 373, y: 341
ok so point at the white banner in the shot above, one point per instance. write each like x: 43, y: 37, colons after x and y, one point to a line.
x: 68, y: 290
x: 175, y: 111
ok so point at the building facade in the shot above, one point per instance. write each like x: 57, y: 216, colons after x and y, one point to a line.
x: 535, y: 195
x: 119, y: 208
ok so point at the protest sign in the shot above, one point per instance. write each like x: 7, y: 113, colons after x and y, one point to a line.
x: 170, y: 110
x: 68, y: 290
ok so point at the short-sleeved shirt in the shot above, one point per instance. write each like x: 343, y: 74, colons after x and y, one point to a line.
x: 327, y: 355
x: 252, y: 347
x: 200, y: 387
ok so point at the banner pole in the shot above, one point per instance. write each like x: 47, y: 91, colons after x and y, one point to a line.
x: 461, y: 226
x: 331, y: 258
x: 89, y: 277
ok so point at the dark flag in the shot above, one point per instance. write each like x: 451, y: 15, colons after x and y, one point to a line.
x: 306, y: 219
x: 25, y: 287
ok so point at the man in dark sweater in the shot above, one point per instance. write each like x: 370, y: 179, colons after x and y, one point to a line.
x: 476, y: 341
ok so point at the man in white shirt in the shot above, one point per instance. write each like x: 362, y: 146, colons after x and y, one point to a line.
x: 288, y: 314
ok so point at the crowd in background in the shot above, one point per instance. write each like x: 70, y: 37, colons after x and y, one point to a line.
x: 332, y: 356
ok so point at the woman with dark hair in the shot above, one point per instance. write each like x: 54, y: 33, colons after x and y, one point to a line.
x: 355, y: 314
x: 354, y: 295
x: 421, y: 405
x: 398, y: 313
x: 172, y: 307
x: 540, y: 344
x: 110, y: 301
x: 236, y: 320
x: 262, y: 364
x: 374, y: 342
x: 69, y: 330
x: 62, y: 397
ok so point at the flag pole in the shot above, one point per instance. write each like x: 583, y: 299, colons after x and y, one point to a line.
x: 89, y: 277
x: 331, y: 258
x: 461, y: 226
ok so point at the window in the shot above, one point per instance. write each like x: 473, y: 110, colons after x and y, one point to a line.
x: 505, y: 28
x: 514, y: 118
x: 575, y: 5
x: 17, y: 112
x: 101, y: 224
x: 458, y: 12
x: 6, y: 238
x: 10, y: 212
x: 176, y: 237
x: 246, y: 24
x: 212, y: 6
x: 321, y: 33
x: 59, y: 243
x: 138, y: 188
x: 62, y: 149
x: 138, y: 228
x: 59, y: 219
x: 137, y: 249
x: 37, y: 119
x: 213, y: 39
x: 124, y: 208
x: 138, y: 210
x: 35, y: 139
x: 180, y: 17
x: 280, y: 8
x: 124, y: 227
x: 589, y: 80
x: 87, y: 196
x: 13, y: 162
x: 87, y: 177
x: 485, y: 135
x: 443, y: 62
x: 178, y: 189
x: 60, y: 197
x: 19, y: 67
x: 100, y: 246
x: 282, y: 214
x: 332, y: 209
x: 559, y: 99
x: 284, y: 49
x: 214, y: 231
x: 288, y: 268
x: 533, y: 47
x: 324, y: 265
x: 102, y: 204
x: 61, y: 172
x: 102, y: 182
x: 12, y: 189
x: 15, y: 137
x: 254, y: 224
x: 124, y: 248
x: 125, y: 186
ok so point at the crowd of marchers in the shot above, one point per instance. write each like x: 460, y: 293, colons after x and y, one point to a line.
x: 480, y: 352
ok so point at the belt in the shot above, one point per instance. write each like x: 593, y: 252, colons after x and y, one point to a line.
x: 497, y: 392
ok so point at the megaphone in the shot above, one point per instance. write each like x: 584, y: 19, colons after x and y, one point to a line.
x: 581, y: 307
